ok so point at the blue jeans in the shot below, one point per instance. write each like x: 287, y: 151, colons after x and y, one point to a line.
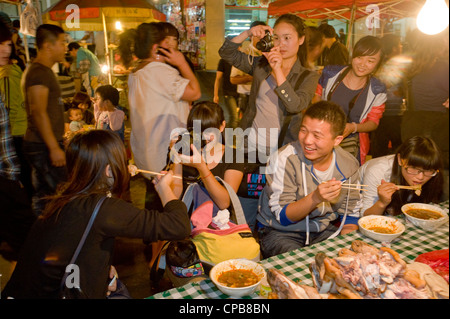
x: 45, y: 177
x: 231, y: 111
x: 274, y: 242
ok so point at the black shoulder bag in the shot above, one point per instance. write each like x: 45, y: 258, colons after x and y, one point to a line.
x: 288, y: 117
x: 76, y: 292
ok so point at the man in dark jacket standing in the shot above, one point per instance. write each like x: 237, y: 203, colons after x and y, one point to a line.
x: 335, y: 52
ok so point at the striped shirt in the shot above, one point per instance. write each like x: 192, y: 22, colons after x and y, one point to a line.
x: 9, y: 162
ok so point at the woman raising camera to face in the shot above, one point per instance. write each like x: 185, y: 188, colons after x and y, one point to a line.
x: 211, y: 159
x: 281, y: 86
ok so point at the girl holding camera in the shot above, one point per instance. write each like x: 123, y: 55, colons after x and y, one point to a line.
x: 210, y: 160
x: 281, y: 86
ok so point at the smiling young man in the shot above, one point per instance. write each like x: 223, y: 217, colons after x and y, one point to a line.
x: 304, y: 194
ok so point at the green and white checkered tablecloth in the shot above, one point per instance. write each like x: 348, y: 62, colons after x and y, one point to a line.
x: 294, y: 264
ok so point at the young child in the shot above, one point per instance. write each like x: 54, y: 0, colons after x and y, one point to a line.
x: 82, y: 101
x: 107, y: 112
x: 76, y: 119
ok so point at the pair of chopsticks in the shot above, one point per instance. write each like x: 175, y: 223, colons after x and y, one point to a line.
x: 414, y: 188
x: 354, y: 186
x: 155, y: 173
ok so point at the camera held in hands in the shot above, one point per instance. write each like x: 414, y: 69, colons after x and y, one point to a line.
x: 265, y: 44
x: 186, y: 139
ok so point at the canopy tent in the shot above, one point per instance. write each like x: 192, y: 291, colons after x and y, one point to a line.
x: 346, y: 10
x: 341, y: 9
x: 101, y: 15
x: 130, y: 13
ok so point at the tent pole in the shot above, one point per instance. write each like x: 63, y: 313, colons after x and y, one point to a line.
x: 106, y: 48
x: 351, y: 25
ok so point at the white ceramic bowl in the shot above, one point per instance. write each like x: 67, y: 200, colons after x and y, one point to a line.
x: 426, y: 224
x: 394, y: 225
x: 232, y: 264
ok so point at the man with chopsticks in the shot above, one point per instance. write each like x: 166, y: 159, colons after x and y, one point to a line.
x: 311, y: 183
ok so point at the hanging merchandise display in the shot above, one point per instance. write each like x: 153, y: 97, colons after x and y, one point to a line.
x: 248, y: 3
x: 195, y: 40
x: 188, y: 16
x: 174, y: 14
x: 29, y: 20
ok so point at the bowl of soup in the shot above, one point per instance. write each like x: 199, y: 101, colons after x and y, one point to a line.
x: 381, y: 228
x: 426, y: 216
x: 237, y: 277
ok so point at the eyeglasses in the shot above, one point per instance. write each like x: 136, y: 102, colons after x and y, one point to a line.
x: 415, y: 171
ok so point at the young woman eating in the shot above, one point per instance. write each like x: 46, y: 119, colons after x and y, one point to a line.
x: 417, y: 162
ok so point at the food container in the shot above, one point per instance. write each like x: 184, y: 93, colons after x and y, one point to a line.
x: 381, y: 228
x: 426, y: 224
x: 237, y: 264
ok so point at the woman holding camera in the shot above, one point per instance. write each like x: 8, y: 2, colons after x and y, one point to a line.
x: 211, y: 160
x: 281, y: 86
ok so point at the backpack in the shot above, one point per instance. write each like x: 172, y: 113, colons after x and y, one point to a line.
x: 234, y: 240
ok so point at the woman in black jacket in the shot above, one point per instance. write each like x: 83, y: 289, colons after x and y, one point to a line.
x: 97, y: 163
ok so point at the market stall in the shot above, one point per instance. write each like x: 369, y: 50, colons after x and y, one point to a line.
x: 101, y: 15
x: 347, y: 10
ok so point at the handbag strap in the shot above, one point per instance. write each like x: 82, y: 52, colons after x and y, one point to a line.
x: 237, y: 207
x: 83, y: 238
x: 188, y: 197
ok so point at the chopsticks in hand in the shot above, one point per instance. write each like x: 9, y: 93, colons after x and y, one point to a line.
x: 354, y: 186
x: 134, y: 170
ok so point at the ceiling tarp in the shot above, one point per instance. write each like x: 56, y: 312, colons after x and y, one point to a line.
x: 130, y: 13
x: 341, y: 9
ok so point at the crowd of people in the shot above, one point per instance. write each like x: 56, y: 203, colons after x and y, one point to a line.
x: 306, y: 118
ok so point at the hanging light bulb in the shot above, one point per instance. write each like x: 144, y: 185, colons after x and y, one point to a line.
x: 119, y: 26
x: 433, y: 17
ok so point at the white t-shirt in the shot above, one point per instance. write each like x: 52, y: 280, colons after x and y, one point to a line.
x: 156, y: 109
x: 371, y: 174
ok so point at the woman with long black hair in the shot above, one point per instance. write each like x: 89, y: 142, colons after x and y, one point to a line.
x: 417, y: 162
x: 97, y: 163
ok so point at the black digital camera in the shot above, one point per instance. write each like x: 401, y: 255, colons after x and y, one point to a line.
x: 266, y: 43
x: 185, y: 140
